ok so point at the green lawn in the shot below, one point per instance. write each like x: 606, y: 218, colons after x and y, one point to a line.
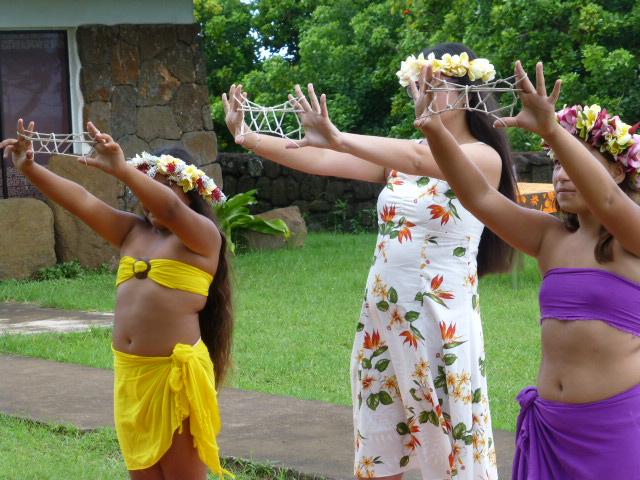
x: 296, y: 317
x: 32, y: 451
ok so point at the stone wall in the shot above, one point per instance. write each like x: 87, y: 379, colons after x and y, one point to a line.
x: 328, y: 202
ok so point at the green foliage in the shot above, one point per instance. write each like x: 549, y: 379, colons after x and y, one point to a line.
x: 71, y: 269
x: 235, y: 218
x: 351, y: 49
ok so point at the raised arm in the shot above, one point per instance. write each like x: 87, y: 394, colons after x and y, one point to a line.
x: 310, y: 159
x: 110, y: 223
x: 198, y: 233
x: 522, y: 228
x: 613, y: 208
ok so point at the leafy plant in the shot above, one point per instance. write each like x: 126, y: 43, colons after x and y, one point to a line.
x: 234, y: 218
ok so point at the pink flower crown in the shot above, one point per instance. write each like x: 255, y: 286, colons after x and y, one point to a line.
x: 187, y: 176
x: 607, y: 133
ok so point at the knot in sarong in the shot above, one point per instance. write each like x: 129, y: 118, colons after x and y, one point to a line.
x: 141, y: 268
x: 180, y: 358
x: 526, y: 398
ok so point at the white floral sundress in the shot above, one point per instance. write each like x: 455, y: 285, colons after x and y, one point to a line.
x: 418, y: 367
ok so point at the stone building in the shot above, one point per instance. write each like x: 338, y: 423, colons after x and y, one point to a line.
x: 134, y: 68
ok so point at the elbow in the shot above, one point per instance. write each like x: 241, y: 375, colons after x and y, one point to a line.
x: 169, y: 211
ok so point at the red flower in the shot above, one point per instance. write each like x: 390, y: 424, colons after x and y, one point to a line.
x: 438, y: 211
x: 217, y: 194
x: 406, y: 11
x: 171, y: 167
x: 436, y: 282
x: 448, y: 333
x: 388, y: 213
x: 372, y: 342
x: 405, y: 233
x: 410, y: 338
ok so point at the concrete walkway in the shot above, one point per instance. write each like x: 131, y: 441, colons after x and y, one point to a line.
x: 307, y: 436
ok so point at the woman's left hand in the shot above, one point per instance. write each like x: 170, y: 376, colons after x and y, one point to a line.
x: 538, y: 114
x: 109, y: 156
x: 423, y: 98
x: 319, y: 131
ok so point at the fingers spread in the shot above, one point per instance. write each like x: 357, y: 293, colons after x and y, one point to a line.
x: 541, y: 88
x: 555, y: 94
x: 313, y: 98
x: 303, y: 100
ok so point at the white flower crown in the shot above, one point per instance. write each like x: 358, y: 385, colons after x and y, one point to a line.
x: 187, y: 176
x: 449, y: 65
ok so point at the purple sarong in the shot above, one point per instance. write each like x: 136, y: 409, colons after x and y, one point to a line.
x: 567, y: 441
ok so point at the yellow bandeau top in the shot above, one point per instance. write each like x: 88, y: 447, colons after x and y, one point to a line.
x: 166, y: 272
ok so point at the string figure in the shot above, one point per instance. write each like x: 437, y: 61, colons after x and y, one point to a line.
x: 270, y: 120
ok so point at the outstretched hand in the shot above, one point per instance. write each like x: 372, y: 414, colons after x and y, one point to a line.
x: 538, y: 114
x: 109, y: 156
x: 319, y: 131
x: 20, y: 149
x: 233, y: 115
x: 423, y: 97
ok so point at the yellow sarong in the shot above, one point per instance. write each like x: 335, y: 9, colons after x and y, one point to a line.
x: 152, y: 397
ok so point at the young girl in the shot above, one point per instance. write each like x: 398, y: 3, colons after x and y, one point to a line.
x: 173, y: 319
x: 583, y: 420
x: 419, y: 386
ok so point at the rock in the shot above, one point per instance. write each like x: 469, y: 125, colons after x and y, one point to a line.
x: 271, y: 169
x: 30, y: 246
x: 160, y: 143
x: 130, y: 34
x: 293, y: 189
x: 246, y: 183
x: 156, y: 39
x: 293, y: 218
x: 187, y: 106
x: 214, y: 171
x: 179, y: 61
x: 188, y: 33
x: 207, y: 119
x: 157, y: 85
x: 279, y: 192
x: 203, y: 146
x: 264, y: 188
x: 131, y: 144
x: 123, y: 111
x: 95, y: 44
x: 319, y: 206
x: 125, y: 64
x: 230, y: 186
x: 74, y: 239
x: 157, y: 122
x: 95, y: 82
x: 100, y: 114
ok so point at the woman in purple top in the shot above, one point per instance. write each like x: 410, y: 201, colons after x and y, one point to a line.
x: 583, y: 419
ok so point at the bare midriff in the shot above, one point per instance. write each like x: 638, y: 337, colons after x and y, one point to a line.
x: 586, y: 361
x: 151, y: 319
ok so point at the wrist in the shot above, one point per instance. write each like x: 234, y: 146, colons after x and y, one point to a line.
x: 551, y: 134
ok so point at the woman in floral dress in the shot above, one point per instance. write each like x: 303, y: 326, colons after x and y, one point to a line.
x: 419, y: 382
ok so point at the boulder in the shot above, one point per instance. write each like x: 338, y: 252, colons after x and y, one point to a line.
x: 27, y: 244
x: 293, y: 218
x: 74, y: 239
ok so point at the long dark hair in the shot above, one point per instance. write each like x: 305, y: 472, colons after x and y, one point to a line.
x: 216, y: 318
x: 494, y: 254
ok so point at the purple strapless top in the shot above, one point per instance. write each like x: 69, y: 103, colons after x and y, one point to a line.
x: 591, y: 294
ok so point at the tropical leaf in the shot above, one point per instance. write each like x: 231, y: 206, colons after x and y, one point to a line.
x: 385, y: 398
x: 449, y: 358
x: 373, y: 401
x: 477, y: 395
x: 450, y: 345
x: 393, y: 295
x: 381, y: 365
x: 422, y: 181
x: 383, y: 306
x: 411, y: 316
x: 436, y: 299
x: 402, y: 428
x: 459, y: 251
x: 379, y: 351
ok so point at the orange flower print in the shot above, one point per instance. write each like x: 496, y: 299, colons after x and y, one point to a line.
x: 373, y: 342
x: 396, y: 317
x: 437, y: 294
x: 549, y: 203
x: 449, y: 336
x: 405, y: 232
x: 388, y: 213
x: 367, y: 382
x: 412, y: 336
x: 443, y: 213
x: 433, y: 190
x: 535, y: 199
x: 393, y: 180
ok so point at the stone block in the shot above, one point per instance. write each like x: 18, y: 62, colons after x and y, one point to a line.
x: 74, y: 239
x: 246, y: 183
x: 156, y: 39
x: 293, y: 218
x: 125, y: 64
x: 27, y: 242
x: 157, y: 85
x: 264, y: 188
x: 123, y: 111
x: 207, y: 119
x: 95, y: 44
x: 160, y: 143
x: 131, y: 144
x: 279, y: 192
x: 100, y: 114
x: 95, y: 83
x: 203, y: 146
x: 157, y: 122
x: 187, y: 105
x: 179, y: 59
x: 271, y: 169
x: 188, y: 33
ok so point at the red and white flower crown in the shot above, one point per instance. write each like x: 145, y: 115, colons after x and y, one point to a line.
x: 596, y: 127
x: 187, y: 176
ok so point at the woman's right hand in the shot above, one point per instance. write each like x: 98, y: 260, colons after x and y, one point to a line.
x: 233, y: 115
x: 21, y: 149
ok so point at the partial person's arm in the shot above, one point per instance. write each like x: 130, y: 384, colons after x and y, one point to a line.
x: 110, y: 223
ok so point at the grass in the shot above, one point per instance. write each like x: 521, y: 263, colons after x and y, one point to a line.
x: 66, y: 452
x: 296, y: 316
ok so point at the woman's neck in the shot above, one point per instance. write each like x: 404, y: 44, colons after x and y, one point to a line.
x: 459, y: 128
x: 589, y: 224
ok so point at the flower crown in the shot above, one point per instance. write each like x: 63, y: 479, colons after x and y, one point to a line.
x: 187, y: 176
x: 449, y: 65
x: 607, y: 133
